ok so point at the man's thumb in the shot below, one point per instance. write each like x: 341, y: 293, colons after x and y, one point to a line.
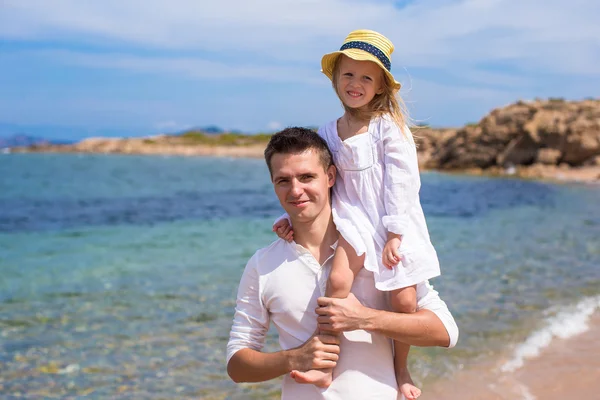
x: 324, y: 301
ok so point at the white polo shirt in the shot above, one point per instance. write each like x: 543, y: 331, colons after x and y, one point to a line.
x: 281, y: 284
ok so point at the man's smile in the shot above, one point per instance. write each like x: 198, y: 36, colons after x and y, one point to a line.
x: 298, y: 203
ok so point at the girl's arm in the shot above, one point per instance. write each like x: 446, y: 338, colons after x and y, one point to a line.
x: 401, y: 186
x: 283, y: 228
x: 401, y: 177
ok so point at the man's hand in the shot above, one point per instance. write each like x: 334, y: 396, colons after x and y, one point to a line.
x: 341, y: 315
x: 318, y: 352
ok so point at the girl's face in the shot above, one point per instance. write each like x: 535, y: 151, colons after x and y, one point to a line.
x: 358, y: 82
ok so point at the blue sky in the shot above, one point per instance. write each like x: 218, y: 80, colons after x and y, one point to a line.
x: 71, y: 69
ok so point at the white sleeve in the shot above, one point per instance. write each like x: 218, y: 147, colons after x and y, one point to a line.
x: 401, y: 176
x: 251, y: 318
x: 429, y: 299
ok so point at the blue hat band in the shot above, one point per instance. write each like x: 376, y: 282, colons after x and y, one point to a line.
x: 369, y: 48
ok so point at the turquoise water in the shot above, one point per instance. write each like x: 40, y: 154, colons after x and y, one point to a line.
x: 119, y: 273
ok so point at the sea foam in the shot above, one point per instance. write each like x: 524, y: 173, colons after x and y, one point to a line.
x: 568, y: 322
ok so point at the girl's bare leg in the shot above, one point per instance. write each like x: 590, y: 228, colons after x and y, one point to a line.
x: 346, y: 265
x: 405, y: 301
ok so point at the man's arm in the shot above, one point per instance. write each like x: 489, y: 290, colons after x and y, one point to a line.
x: 245, y: 361
x: 248, y: 365
x: 431, y: 325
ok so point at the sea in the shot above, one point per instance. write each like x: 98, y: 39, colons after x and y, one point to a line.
x: 118, y: 273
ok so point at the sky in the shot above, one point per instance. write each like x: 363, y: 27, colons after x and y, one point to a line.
x: 70, y: 69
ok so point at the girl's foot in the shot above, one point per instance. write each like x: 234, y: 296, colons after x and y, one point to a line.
x: 318, y: 377
x: 406, y: 386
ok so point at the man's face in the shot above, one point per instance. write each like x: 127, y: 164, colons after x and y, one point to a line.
x: 301, y: 184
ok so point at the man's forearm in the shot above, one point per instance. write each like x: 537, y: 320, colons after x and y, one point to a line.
x: 422, y: 328
x: 318, y: 352
x: 249, y: 365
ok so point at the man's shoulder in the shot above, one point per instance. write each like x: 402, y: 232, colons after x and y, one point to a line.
x: 271, y: 256
x: 277, y: 246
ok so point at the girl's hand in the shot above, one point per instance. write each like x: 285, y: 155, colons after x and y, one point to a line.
x: 391, y: 255
x: 284, y: 230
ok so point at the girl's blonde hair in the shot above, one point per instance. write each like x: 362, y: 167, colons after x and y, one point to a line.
x: 388, y: 102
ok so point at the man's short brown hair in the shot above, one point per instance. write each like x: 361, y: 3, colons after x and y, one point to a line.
x: 298, y: 140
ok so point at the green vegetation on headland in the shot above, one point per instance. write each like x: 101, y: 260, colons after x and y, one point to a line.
x: 224, y: 139
x: 200, y: 138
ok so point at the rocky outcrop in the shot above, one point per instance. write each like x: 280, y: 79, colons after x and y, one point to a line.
x: 551, y: 132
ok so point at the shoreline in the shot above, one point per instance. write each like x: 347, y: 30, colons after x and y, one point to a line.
x: 551, y: 140
x: 589, y: 175
x: 566, y: 368
x: 139, y: 147
x: 548, y: 173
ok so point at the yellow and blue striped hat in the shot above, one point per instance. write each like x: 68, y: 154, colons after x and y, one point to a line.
x: 364, y: 45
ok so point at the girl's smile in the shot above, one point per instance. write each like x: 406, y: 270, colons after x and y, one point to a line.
x: 358, y: 82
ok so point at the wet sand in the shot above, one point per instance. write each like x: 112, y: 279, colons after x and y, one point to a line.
x: 566, y: 369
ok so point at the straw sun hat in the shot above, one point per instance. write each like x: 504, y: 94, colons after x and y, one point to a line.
x: 364, y: 45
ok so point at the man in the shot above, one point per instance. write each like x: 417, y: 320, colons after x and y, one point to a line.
x: 282, y: 283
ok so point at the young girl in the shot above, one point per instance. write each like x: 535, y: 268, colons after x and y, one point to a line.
x: 375, y: 200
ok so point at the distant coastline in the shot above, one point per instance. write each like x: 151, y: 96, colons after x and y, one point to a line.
x: 550, y: 139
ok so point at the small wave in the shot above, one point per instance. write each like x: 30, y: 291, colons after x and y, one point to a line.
x: 567, y: 323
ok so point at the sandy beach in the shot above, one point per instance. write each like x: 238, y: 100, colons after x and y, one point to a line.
x: 566, y: 369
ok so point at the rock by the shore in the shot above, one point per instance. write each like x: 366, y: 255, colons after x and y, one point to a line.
x: 529, y: 138
x: 549, y: 139
x: 547, y: 132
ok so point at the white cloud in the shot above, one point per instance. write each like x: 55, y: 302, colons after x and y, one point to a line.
x: 453, y: 105
x: 171, y: 126
x: 437, y: 33
x: 274, y: 126
x: 191, y: 67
